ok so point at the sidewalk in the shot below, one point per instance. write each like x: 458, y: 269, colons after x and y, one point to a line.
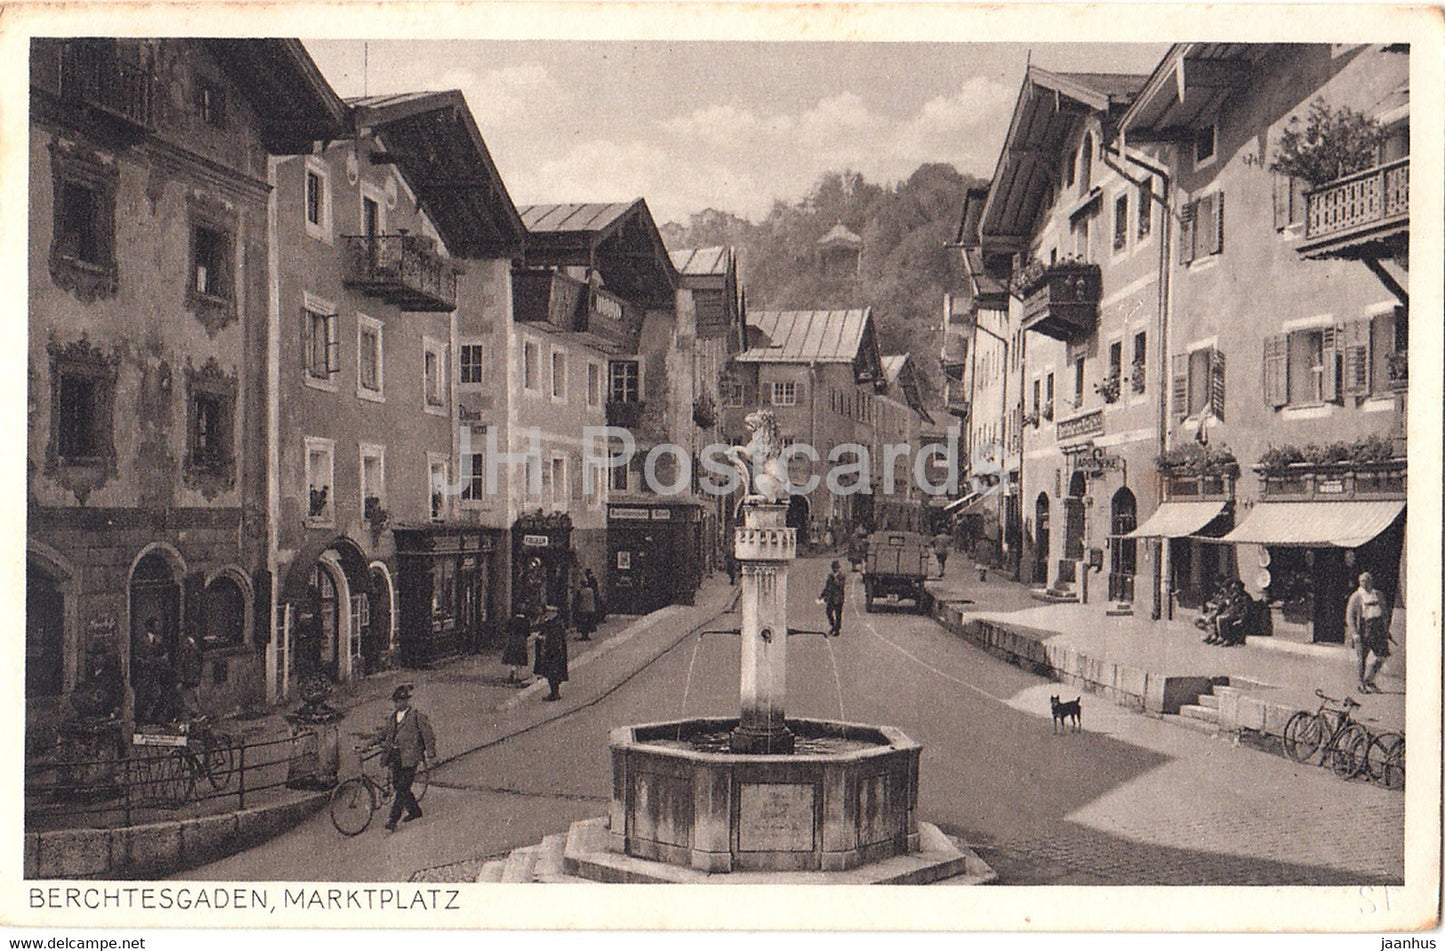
x: 1162, y: 665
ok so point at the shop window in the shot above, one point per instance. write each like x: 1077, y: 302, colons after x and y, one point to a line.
x: 82, y: 249
x: 370, y: 358
x: 320, y: 482
x: 319, y: 341
x: 785, y: 394
x: 624, y: 381
x: 469, y: 369
x: 223, y: 619
x: 531, y: 369
x: 1121, y: 222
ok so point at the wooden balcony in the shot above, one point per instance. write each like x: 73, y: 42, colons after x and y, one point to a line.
x: 1362, y: 215
x: 1065, y: 303
x: 958, y: 406
x: 102, y: 77
x: 555, y: 302
x: 605, y: 322
x: 401, y: 269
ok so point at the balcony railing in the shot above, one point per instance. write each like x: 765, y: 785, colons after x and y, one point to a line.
x: 1352, y: 216
x: 401, y: 269
x: 99, y: 74
x: 1065, y: 303
x: 1304, y: 481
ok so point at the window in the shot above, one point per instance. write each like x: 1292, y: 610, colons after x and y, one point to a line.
x: 618, y: 478
x: 1121, y: 222
x: 1198, y: 383
x: 77, y: 224
x: 319, y: 340
x: 318, y: 199
x: 474, y: 483
x: 1036, y: 404
x: 1049, y: 397
x: 1145, y: 208
x: 211, y: 103
x: 1138, y: 372
x: 320, y: 484
x: 1201, y: 228
x: 1069, y: 170
x: 624, y: 383
x: 1079, y: 229
x: 1204, y: 145
x: 557, y: 480
x: 210, y: 431
x: 373, y: 482
x: 223, y: 616
x: 785, y: 394
x: 1086, y: 162
x: 470, y: 369
x: 82, y: 248
x: 434, y: 375
x: 370, y: 367
x: 531, y: 370
x: 1289, y: 201
x: 211, y: 259
x: 1078, y: 382
x: 594, y: 384
x: 1388, y: 347
x: 559, y: 375
x: 437, y: 484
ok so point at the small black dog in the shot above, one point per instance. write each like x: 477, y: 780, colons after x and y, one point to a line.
x: 1063, y: 712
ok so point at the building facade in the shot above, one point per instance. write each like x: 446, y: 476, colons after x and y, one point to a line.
x: 149, y: 360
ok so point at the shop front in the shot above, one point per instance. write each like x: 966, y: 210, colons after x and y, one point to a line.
x: 543, y: 563
x: 446, y: 584
x: 654, y: 554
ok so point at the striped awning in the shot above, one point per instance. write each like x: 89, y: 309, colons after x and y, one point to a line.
x: 1315, y: 524
x: 1177, y: 519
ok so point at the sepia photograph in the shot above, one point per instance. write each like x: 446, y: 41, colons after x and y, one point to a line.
x: 615, y: 451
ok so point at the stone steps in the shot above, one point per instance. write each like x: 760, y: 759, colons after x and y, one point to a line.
x: 492, y: 871
x: 519, y: 865
x: 1195, y: 711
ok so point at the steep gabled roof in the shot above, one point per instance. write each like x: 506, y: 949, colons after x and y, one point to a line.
x: 840, y: 236
x: 1188, y: 87
x: 434, y: 142
x: 617, y: 239
x: 805, y: 336
x: 294, y: 104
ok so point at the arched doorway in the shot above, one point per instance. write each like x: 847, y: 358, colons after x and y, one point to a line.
x: 318, y: 626
x: 44, y: 633
x: 155, y: 601
x: 1074, y: 518
x: 1041, y: 538
x: 376, y: 642
x: 1123, y: 552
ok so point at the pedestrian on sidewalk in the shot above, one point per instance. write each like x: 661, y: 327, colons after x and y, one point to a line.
x: 188, y: 677
x: 406, y: 740
x: 1367, y: 629
x: 588, y: 597
x: 834, y: 588
x: 941, y: 542
x: 551, y: 662
x: 514, y: 651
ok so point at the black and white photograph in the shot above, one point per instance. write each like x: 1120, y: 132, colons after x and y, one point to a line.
x: 771, y: 447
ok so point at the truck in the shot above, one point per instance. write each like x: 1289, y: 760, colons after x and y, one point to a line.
x: 896, y: 566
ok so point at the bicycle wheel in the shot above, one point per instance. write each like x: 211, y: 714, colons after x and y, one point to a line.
x: 135, y: 778
x: 174, y: 778
x: 1347, y: 752
x: 352, y: 805
x: 1376, y: 755
x: 218, y: 760
x: 1302, y: 736
x: 421, y: 782
x: 1394, y: 773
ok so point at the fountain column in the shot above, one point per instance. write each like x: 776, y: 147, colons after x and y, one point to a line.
x: 764, y: 546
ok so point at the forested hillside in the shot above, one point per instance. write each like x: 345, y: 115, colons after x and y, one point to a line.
x: 905, y: 267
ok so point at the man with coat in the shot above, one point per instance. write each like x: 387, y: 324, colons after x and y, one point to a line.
x: 834, y: 589
x: 551, y: 662
x: 406, y: 739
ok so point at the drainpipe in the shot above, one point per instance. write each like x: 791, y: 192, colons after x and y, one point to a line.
x: 274, y: 647
x: 1163, y: 605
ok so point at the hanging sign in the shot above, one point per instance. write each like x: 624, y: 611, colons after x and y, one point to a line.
x: 629, y: 514
x: 534, y: 541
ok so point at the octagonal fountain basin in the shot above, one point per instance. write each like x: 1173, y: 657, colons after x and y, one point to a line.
x: 847, y: 795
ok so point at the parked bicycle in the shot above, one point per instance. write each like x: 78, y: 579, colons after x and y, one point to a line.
x: 355, y: 801
x: 1331, y: 731
x: 200, y: 751
x: 1385, y: 760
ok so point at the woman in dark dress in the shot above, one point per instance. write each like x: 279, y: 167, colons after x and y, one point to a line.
x: 551, y: 661
x: 514, y: 652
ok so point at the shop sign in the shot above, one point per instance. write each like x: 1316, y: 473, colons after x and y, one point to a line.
x: 1330, y: 487
x: 158, y: 739
x: 534, y: 541
x: 661, y: 515
x: 1095, y: 462
x: 468, y: 415
x: 101, y: 630
x: 630, y: 514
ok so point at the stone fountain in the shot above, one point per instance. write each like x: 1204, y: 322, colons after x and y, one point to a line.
x: 763, y: 795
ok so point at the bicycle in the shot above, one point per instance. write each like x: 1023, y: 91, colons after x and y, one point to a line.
x: 1385, y: 760
x: 355, y: 800
x: 1341, y: 742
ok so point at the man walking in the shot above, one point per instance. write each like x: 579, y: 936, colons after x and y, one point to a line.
x: 551, y: 663
x: 1367, y: 629
x: 941, y: 543
x: 588, y: 599
x: 833, y: 590
x: 406, y: 739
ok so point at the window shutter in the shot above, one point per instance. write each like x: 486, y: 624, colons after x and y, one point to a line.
x: 1282, y: 190
x: 1216, y: 383
x: 1355, y: 343
x: 1218, y: 245
x: 1206, y: 225
x: 1297, y: 200
x: 1179, y: 385
x: 1186, y: 232
x: 1330, y: 361
x: 1276, y: 370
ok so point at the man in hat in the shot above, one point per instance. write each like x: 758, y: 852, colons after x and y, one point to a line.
x: 551, y: 662
x: 406, y: 739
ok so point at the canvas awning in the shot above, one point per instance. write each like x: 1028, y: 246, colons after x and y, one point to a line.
x: 1315, y: 524
x: 959, y: 506
x: 1177, y: 519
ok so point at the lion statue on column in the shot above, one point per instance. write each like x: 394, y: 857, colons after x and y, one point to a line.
x: 759, y: 462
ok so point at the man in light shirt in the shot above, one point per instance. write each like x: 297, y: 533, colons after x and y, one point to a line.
x: 1367, y: 629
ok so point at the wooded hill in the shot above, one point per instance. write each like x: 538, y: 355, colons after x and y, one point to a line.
x: 905, y: 266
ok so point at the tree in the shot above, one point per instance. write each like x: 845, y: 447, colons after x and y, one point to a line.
x: 1333, y: 143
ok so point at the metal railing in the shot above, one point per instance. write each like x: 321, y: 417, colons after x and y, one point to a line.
x: 96, y: 74
x: 404, y: 269
x: 1365, y: 198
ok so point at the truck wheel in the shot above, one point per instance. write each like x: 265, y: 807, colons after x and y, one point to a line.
x: 868, y: 602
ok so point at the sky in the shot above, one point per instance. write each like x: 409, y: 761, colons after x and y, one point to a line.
x: 728, y: 125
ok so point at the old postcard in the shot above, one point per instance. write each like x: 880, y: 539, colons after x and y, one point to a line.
x: 480, y: 460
